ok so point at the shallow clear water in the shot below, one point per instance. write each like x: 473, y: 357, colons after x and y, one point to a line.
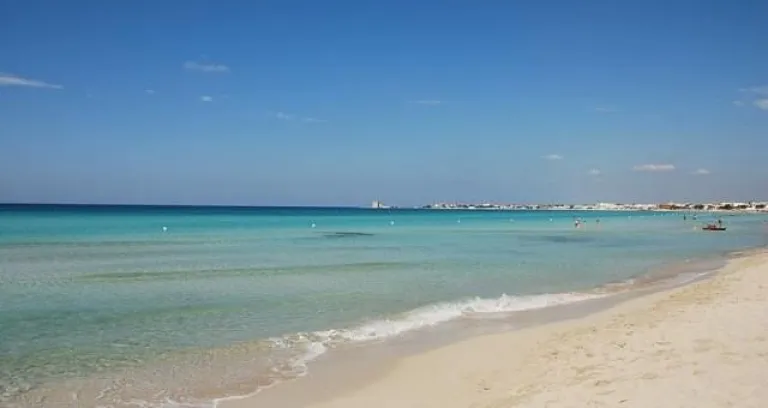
x: 87, y: 289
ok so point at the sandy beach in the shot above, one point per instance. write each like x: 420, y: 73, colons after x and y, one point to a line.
x: 701, y: 345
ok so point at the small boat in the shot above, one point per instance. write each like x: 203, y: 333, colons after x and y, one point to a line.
x: 712, y: 227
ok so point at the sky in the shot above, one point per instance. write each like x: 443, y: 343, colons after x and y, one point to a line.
x: 409, y: 102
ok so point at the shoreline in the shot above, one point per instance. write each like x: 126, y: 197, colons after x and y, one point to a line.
x: 354, y: 365
x: 377, y: 381
x: 339, y: 371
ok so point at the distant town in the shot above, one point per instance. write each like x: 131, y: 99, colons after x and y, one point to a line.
x: 751, y: 206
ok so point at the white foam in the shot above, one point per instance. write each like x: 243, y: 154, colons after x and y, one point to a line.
x: 312, y: 351
x: 443, y: 312
x: 690, y: 277
x: 313, y: 345
x: 169, y: 403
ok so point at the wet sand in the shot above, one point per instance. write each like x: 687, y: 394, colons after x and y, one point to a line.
x: 700, y: 345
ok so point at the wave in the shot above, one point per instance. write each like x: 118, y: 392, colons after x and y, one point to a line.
x: 443, y: 312
x: 299, y: 349
x: 314, y: 344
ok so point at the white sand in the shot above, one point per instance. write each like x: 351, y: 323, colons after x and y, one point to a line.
x: 700, y: 346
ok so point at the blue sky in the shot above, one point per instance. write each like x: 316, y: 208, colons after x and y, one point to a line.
x: 409, y: 102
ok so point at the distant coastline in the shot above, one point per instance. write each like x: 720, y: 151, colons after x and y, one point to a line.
x: 732, y: 206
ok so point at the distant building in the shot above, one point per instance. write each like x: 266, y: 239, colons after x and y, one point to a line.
x: 378, y: 204
x: 608, y: 206
x: 668, y: 206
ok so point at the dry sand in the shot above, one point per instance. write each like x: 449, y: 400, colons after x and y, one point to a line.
x: 703, y: 345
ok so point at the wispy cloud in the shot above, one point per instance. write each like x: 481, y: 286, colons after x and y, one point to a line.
x: 594, y: 172
x: 759, y: 90
x: 605, y: 109
x: 149, y: 91
x: 738, y: 103
x: 760, y: 93
x: 700, y: 172
x: 206, y: 67
x: 312, y: 120
x: 284, y: 116
x: 15, y: 80
x: 292, y: 117
x: 654, y: 167
x: 553, y: 156
x: 430, y: 102
x: 761, y: 104
x: 206, y: 98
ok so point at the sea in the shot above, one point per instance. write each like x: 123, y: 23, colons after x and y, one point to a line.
x: 158, y: 306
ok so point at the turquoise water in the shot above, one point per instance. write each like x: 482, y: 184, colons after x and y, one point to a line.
x: 86, y: 291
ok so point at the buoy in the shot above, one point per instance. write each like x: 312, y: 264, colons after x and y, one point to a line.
x: 165, y: 229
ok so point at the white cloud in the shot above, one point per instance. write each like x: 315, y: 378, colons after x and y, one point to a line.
x: 206, y: 98
x: 738, y: 103
x: 196, y: 66
x: 552, y: 157
x: 284, y: 116
x: 292, y: 117
x: 654, y: 167
x: 312, y: 120
x: 605, y: 109
x: 761, y: 104
x: 14, y: 80
x: 701, y: 172
x: 594, y: 172
x: 432, y: 102
x: 760, y: 90
x: 149, y: 91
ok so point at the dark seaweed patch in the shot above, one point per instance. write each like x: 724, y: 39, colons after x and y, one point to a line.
x: 562, y: 239
x: 237, y: 272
